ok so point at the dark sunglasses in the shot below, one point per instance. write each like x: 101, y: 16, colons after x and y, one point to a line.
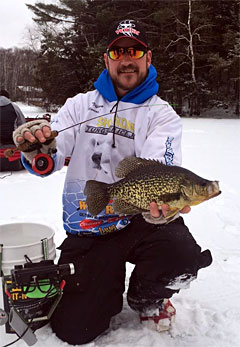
x: 117, y: 53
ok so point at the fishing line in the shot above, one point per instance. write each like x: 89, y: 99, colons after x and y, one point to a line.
x: 43, y: 163
x: 106, y: 114
x: 2, y: 177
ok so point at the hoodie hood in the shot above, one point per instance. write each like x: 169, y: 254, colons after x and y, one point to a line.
x: 140, y: 94
x: 4, y: 101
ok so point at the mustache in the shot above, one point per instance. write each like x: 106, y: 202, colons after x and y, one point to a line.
x: 126, y: 68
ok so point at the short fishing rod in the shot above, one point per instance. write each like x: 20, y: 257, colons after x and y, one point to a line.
x: 43, y: 163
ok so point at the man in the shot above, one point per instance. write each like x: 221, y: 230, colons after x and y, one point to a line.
x: 122, y: 117
x: 11, y: 117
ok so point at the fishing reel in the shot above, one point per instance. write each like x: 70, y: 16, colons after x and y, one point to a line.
x: 42, y: 162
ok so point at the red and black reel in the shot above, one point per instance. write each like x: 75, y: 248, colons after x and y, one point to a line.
x: 42, y: 164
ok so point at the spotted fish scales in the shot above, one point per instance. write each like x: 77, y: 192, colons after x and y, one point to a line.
x: 144, y: 181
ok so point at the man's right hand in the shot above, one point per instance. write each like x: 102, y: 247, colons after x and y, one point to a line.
x: 164, y: 209
x: 37, y: 134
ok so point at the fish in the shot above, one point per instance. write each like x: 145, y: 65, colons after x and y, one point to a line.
x: 143, y: 181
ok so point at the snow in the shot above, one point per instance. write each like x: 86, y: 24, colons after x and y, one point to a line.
x: 31, y: 111
x: 208, y: 313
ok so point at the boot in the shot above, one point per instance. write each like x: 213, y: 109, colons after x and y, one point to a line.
x: 159, y: 319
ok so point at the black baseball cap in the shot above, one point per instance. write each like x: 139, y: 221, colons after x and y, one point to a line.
x: 127, y: 28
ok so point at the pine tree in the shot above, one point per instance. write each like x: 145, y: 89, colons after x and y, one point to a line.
x: 193, y: 42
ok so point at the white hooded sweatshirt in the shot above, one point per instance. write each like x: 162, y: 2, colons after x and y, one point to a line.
x: 140, y: 124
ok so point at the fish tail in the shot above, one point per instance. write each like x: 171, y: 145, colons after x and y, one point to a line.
x: 97, y: 196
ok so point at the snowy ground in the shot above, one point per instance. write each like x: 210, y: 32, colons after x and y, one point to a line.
x: 208, y: 313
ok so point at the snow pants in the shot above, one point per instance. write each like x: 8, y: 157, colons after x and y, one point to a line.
x: 165, y: 256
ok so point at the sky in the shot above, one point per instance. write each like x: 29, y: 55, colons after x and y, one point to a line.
x: 16, y: 18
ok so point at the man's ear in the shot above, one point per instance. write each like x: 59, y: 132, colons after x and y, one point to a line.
x: 106, y: 60
x: 149, y: 58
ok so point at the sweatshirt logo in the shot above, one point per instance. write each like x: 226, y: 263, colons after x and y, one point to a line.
x: 126, y: 28
x: 123, y: 127
x: 169, y: 154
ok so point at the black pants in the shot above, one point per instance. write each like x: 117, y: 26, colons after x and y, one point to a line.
x: 161, y: 253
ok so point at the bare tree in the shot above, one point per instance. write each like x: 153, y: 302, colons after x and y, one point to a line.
x: 16, y: 69
x: 32, y: 38
x: 188, y: 35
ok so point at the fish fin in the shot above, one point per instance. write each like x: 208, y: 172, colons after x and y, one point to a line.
x: 97, y: 196
x: 123, y: 207
x: 171, y: 213
x: 170, y: 220
x: 130, y: 164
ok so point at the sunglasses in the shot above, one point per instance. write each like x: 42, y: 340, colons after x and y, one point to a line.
x: 117, y: 53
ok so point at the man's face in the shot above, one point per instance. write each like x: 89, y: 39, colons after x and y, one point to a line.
x: 127, y: 74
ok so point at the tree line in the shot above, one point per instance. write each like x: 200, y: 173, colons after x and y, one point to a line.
x: 17, y: 68
x: 195, y: 45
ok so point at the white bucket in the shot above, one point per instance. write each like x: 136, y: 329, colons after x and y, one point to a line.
x: 20, y: 239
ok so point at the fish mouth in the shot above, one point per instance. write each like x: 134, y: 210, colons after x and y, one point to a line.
x: 213, y: 195
x: 213, y: 188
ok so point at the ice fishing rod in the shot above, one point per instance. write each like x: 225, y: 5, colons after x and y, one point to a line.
x: 43, y: 163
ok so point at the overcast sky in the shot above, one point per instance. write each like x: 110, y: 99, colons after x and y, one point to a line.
x: 15, y: 17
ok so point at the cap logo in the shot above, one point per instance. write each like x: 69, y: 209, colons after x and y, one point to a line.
x: 126, y: 28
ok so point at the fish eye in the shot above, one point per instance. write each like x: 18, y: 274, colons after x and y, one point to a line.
x: 202, y: 184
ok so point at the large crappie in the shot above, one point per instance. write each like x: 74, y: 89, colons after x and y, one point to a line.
x: 145, y: 181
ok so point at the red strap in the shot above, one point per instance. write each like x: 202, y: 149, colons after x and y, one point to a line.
x: 15, y: 156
